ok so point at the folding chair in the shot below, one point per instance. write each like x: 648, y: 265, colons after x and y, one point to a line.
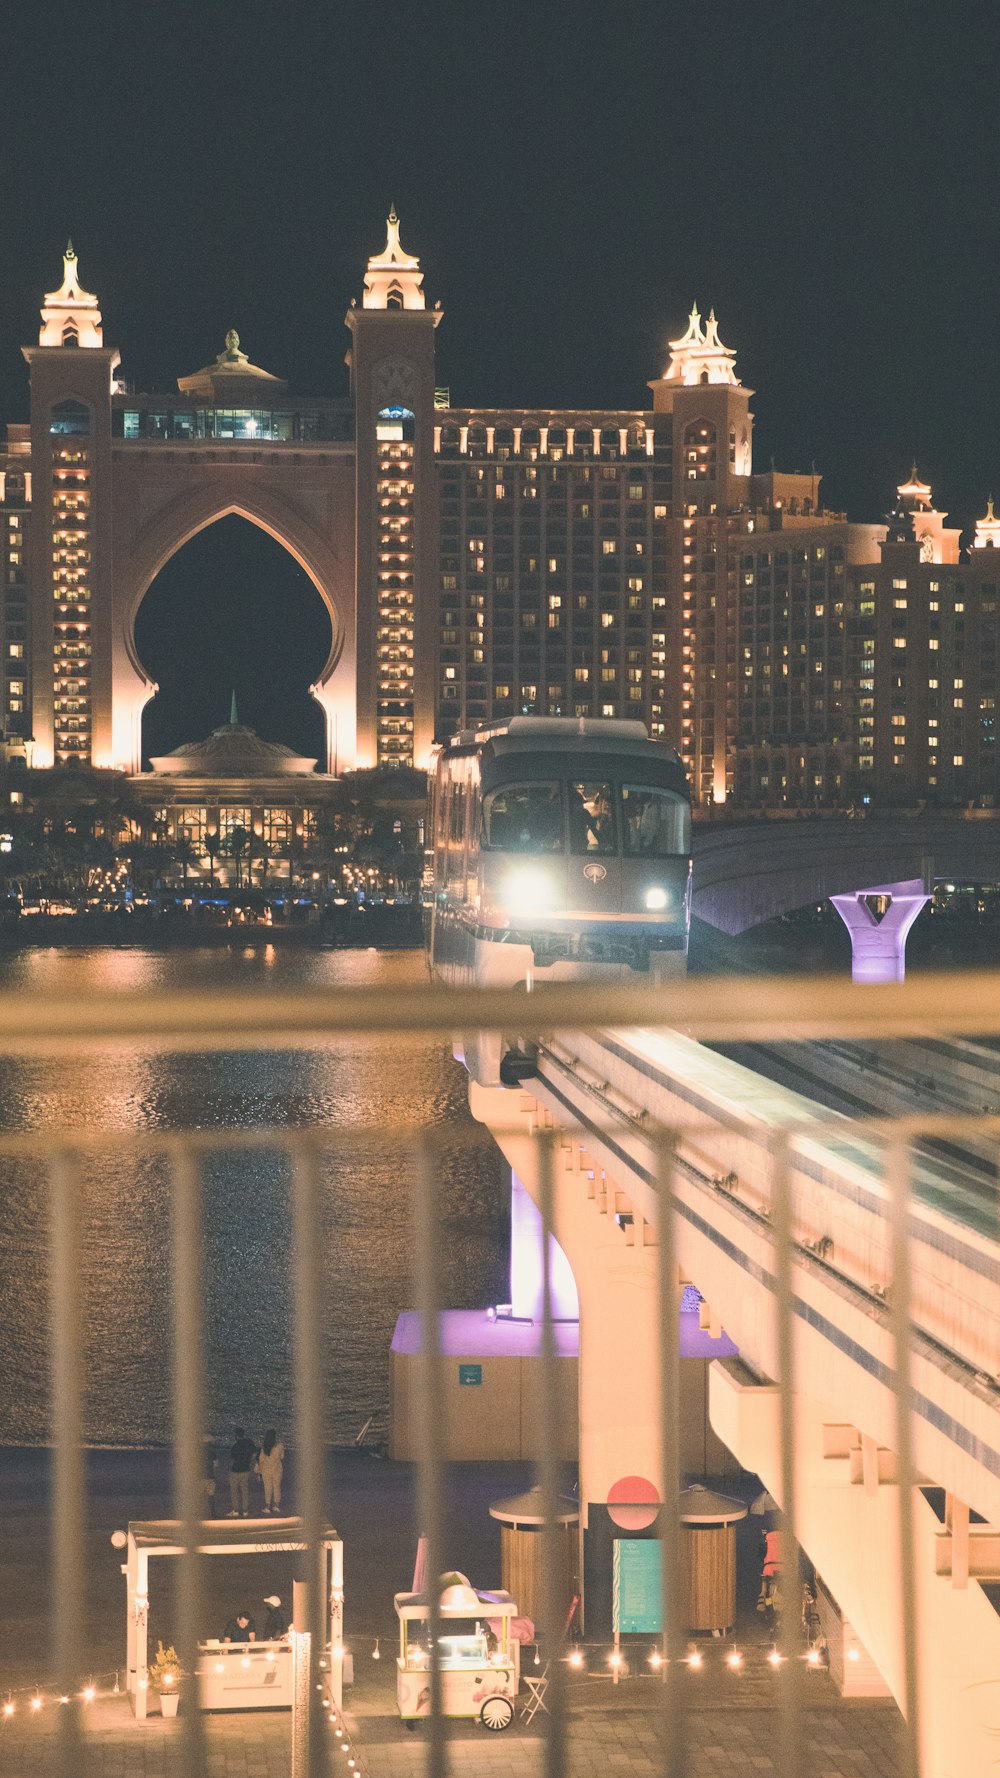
x: 537, y: 1688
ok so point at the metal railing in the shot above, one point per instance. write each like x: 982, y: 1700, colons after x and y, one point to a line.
x: 51, y: 1026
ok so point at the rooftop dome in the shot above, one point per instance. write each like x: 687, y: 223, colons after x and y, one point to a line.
x: 233, y: 751
x: 232, y: 377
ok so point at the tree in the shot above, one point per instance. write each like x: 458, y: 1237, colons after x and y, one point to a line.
x: 237, y: 845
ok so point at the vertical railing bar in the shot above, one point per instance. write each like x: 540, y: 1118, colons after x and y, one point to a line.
x: 898, y: 1165
x: 430, y: 1395
x: 675, y: 1724
x: 789, y: 1762
x: 189, y: 1423
x: 548, y: 1474
x: 308, y: 1346
x: 67, y: 1458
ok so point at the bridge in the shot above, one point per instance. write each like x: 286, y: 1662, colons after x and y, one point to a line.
x: 748, y: 872
x: 859, y: 1284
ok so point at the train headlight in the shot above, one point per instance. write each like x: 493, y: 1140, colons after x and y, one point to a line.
x: 656, y: 899
x: 528, y: 890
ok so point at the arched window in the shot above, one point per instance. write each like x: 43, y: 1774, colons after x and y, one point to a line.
x: 70, y: 416
x: 394, y: 297
x: 15, y: 485
x: 477, y: 439
x: 609, y: 441
x: 70, y: 336
x: 450, y: 440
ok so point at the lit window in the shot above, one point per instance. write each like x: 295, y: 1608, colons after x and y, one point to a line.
x: 899, y: 585
x: 959, y: 606
x: 933, y: 642
x: 959, y: 684
x: 958, y: 759
x: 899, y: 642
x: 899, y: 604
x: 16, y: 651
x: 609, y: 547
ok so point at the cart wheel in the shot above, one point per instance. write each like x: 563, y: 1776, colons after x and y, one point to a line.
x: 497, y: 1714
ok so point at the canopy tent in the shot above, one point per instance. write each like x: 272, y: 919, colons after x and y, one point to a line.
x: 219, y: 1537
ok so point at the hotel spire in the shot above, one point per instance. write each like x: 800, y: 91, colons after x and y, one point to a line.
x: 393, y: 279
x: 70, y: 315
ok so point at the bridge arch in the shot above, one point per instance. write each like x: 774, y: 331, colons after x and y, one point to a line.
x: 314, y: 526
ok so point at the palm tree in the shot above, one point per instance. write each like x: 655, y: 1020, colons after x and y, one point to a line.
x: 212, y: 848
x: 237, y: 844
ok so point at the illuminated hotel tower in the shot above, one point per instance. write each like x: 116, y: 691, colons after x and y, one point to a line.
x: 71, y: 376
x: 392, y: 383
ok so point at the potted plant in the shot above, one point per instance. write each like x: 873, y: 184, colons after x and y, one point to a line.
x: 165, y: 1677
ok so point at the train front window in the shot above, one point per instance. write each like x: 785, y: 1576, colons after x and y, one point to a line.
x: 591, y: 819
x: 654, y: 822
x: 523, y: 818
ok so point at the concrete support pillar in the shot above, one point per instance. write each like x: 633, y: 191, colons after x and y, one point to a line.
x: 878, y: 946
x: 850, y: 1529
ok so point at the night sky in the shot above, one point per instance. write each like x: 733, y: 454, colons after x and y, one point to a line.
x: 573, y: 177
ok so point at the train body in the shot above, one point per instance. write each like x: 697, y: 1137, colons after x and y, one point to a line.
x: 557, y: 850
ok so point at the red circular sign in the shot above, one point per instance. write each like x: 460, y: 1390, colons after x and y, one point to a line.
x: 633, y: 1503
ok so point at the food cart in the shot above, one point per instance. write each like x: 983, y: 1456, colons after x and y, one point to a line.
x: 478, y: 1658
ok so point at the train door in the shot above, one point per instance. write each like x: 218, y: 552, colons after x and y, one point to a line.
x: 595, y: 867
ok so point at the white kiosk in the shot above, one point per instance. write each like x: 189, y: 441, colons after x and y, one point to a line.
x: 232, y: 1676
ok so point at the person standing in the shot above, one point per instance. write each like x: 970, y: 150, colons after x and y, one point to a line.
x: 270, y: 1463
x: 276, y: 1621
x: 241, y: 1460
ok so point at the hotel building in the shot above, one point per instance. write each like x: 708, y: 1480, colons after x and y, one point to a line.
x: 477, y: 563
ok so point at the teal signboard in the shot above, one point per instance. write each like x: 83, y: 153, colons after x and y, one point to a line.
x: 470, y: 1373
x: 637, y: 1595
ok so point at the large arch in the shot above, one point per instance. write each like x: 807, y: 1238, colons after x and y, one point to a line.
x: 308, y: 511
x: 232, y: 611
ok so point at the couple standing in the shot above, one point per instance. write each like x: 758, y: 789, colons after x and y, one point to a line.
x: 266, y: 1460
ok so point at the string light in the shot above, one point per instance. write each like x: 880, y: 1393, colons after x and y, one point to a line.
x: 813, y: 1657
x: 775, y: 1658
x: 575, y: 1657
x: 8, y: 1708
x: 695, y: 1658
x: 656, y: 1659
x: 89, y: 1693
x: 734, y: 1659
x: 36, y: 1702
x: 376, y: 1656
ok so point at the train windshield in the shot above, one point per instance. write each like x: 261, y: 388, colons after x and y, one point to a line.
x: 523, y: 818
x: 592, y: 819
x: 654, y: 822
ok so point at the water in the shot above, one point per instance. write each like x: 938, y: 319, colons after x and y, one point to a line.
x: 125, y: 1245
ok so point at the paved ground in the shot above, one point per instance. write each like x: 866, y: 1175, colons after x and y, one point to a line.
x: 620, y: 1729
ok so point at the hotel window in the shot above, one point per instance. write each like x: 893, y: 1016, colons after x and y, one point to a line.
x: 959, y: 606
x: 933, y: 642
x: 899, y: 604
x: 958, y: 759
x: 16, y: 651
x: 899, y: 585
x: 609, y: 547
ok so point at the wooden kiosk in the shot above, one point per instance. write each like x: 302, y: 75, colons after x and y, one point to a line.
x: 231, y: 1676
x: 708, y: 1546
x: 522, y: 1541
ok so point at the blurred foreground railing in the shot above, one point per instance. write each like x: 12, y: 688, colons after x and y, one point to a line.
x: 712, y: 1009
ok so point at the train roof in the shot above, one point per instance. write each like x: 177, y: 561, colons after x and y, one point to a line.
x: 569, y: 733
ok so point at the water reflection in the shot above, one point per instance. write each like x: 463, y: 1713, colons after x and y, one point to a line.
x: 125, y: 1201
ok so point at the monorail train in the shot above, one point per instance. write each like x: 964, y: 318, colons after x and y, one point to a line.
x: 557, y: 849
